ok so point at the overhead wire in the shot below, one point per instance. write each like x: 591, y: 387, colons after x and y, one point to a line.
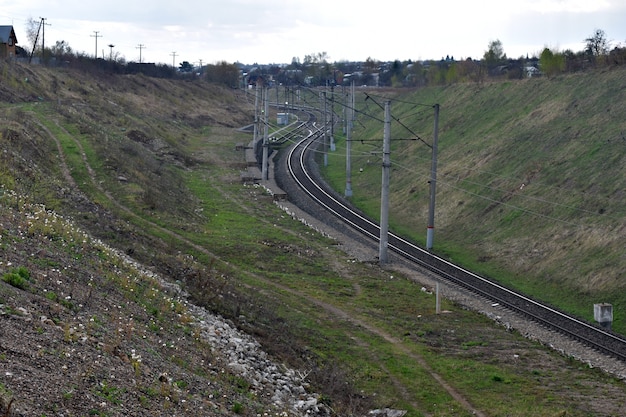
x: 444, y: 178
x: 413, y: 103
x: 522, y: 196
x: 417, y: 137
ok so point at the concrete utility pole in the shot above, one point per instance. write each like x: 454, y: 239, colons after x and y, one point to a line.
x: 325, y: 129
x: 96, y: 36
x: 111, y: 46
x: 43, y: 38
x: 384, y: 194
x: 430, y: 232
x: 140, y: 47
x: 332, y: 117
x: 41, y: 29
x: 173, y: 54
x: 266, y: 144
x: 349, y: 120
x: 255, y: 135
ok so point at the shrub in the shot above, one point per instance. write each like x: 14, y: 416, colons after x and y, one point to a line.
x: 18, y: 277
x: 237, y: 408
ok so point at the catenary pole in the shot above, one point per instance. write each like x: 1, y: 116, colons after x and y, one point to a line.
x: 332, y: 117
x: 325, y: 129
x: 349, y: 111
x: 384, y: 194
x: 430, y: 231
x: 255, y: 135
x: 264, y: 168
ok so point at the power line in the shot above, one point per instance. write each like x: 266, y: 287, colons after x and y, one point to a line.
x: 453, y: 179
x: 402, y: 124
x: 500, y: 202
x: 395, y: 100
x: 449, y: 180
x: 450, y: 184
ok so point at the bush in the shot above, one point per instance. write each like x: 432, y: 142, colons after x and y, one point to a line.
x: 18, y: 277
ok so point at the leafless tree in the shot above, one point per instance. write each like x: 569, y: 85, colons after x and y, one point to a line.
x: 597, y: 44
x: 32, y: 30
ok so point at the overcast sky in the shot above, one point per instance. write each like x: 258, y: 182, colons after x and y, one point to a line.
x: 276, y: 31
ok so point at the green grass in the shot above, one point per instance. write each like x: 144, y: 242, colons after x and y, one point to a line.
x: 528, y: 175
x: 17, y: 277
x: 360, y: 329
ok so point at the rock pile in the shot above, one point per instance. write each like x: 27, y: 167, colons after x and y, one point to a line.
x: 245, y: 357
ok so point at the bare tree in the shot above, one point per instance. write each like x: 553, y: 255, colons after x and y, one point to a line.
x: 32, y: 30
x: 61, y: 48
x: 597, y: 44
x: 316, y: 58
x: 317, y: 66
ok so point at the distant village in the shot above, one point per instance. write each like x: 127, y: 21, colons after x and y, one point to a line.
x: 316, y: 70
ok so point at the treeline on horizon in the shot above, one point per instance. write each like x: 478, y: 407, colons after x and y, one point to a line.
x: 317, y: 70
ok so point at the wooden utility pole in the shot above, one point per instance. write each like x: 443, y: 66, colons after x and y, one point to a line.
x: 384, y: 194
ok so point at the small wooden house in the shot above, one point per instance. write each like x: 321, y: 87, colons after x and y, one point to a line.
x: 8, y: 42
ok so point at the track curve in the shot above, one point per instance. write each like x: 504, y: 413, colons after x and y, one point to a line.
x: 298, y: 165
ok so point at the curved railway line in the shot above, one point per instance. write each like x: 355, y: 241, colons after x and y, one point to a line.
x: 299, y: 159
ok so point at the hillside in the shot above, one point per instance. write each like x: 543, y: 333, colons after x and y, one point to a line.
x: 124, y: 229
x: 530, y: 185
x: 86, y: 329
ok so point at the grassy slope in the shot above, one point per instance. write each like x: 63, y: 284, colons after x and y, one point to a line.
x: 156, y: 175
x: 531, y: 181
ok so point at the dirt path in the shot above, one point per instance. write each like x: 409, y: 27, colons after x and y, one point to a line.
x: 397, y: 343
x: 63, y: 164
x: 335, y: 311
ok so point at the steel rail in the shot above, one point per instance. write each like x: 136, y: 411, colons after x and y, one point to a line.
x: 573, y: 327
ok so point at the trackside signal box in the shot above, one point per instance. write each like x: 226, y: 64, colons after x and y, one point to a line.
x: 603, y: 314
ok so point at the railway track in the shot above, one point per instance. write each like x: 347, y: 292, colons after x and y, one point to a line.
x: 299, y: 159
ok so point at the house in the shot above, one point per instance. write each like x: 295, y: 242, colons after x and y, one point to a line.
x: 8, y: 42
x: 532, y: 71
